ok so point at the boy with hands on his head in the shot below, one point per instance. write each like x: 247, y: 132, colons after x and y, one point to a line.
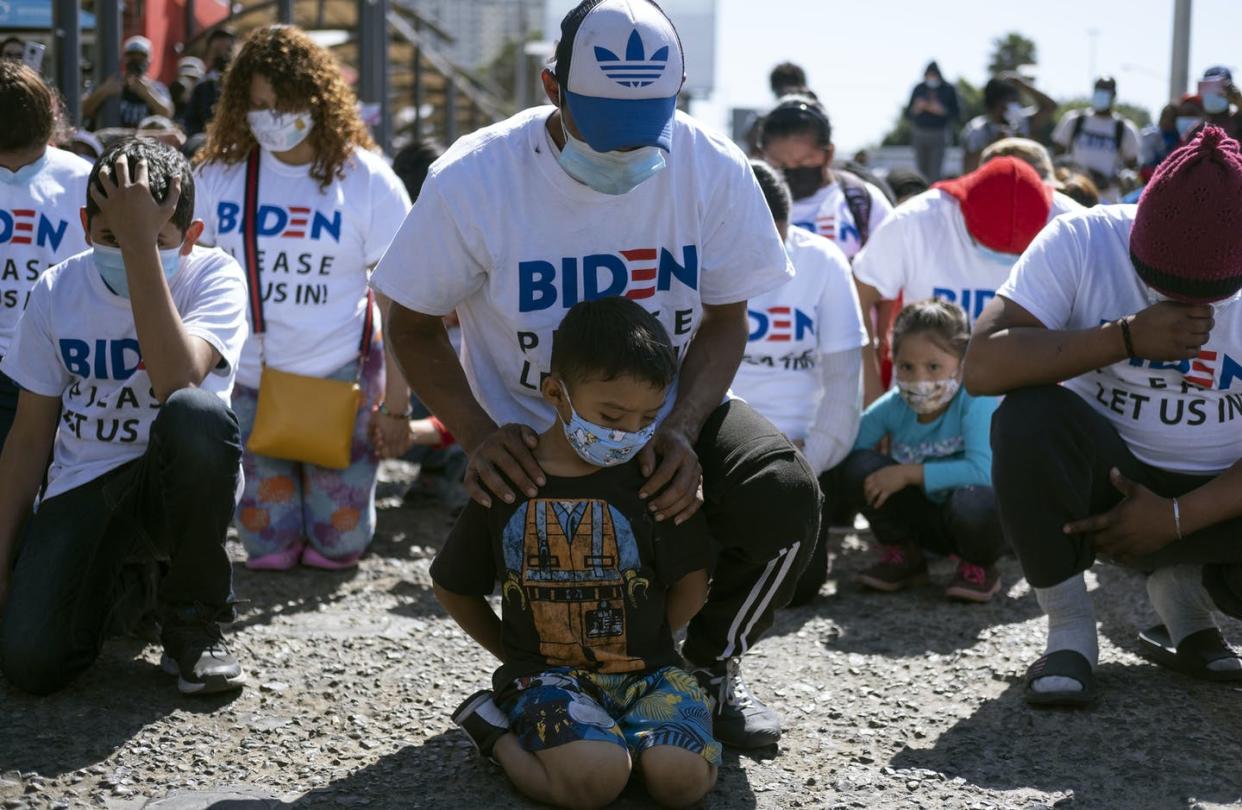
x: 126, y: 356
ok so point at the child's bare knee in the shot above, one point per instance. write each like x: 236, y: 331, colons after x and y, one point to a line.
x: 587, y: 774
x: 676, y: 777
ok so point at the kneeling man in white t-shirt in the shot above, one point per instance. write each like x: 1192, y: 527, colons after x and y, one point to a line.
x: 1118, y: 344
x: 125, y: 355
x: 613, y: 192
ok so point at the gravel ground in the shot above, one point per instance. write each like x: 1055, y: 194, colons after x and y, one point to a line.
x: 889, y: 701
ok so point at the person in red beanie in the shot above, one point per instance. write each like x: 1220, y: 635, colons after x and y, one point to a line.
x: 1117, y: 342
x: 957, y: 242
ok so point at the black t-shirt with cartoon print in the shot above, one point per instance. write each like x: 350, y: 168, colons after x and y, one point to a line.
x: 584, y: 570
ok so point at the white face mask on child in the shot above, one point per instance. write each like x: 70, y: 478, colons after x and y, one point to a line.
x: 928, y: 395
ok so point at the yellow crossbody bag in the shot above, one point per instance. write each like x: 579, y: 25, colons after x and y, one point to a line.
x: 298, y: 418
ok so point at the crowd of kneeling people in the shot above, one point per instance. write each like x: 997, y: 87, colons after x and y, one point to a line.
x: 670, y: 384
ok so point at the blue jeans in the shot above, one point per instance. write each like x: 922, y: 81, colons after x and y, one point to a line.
x: 92, y: 555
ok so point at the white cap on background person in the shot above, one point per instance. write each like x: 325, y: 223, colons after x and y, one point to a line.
x: 621, y: 65
x: 191, y: 66
x: 137, y: 44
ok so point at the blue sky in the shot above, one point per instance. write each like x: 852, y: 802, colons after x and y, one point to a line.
x: 862, y: 57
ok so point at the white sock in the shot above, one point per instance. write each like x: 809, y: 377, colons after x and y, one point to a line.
x: 1071, y: 626
x: 1178, y: 595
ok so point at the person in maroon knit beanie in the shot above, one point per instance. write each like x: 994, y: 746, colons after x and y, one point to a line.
x: 1117, y: 342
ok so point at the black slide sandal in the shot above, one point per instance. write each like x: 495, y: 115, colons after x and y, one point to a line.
x: 1066, y: 664
x: 1192, y: 656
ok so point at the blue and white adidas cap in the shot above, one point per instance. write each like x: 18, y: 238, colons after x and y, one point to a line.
x: 620, y: 66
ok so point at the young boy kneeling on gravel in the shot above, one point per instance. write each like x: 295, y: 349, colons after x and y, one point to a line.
x: 592, y: 587
x: 125, y: 355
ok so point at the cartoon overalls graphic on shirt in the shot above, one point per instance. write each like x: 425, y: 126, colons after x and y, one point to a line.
x: 573, y: 563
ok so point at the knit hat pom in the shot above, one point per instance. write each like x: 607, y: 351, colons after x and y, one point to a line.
x: 1186, y: 240
x: 1209, y: 138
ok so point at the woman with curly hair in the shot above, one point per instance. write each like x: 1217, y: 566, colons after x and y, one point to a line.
x: 327, y: 207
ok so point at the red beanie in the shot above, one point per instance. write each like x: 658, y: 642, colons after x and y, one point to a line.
x: 1187, y: 236
x: 1004, y: 203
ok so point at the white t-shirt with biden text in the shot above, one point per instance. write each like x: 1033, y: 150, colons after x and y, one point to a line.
x: 39, y: 226
x: 77, y: 341
x: 813, y: 314
x: 827, y: 213
x: 924, y: 251
x: 1183, y: 416
x: 1096, y: 146
x: 315, y: 247
x: 504, y: 236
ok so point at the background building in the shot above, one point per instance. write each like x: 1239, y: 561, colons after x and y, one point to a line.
x: 481, y: 28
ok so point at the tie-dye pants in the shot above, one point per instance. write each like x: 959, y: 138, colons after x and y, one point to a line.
x: 287, y: 504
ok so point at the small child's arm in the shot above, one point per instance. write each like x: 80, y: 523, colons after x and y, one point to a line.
x: 686, y: 598
x: 474, y: 615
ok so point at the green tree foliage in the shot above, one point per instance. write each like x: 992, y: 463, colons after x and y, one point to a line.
x: 1011, y: 52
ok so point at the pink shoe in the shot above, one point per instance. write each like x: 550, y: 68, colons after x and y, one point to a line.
x: 280, y: 561
x: 313, y: 559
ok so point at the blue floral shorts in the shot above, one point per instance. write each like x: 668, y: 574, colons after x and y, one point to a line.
x: 635, y: 711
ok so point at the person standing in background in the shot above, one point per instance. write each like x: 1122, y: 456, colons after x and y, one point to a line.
x: 327, y: 208
x: 190, y: 70
x: 141, y: 95
x: 220, y: 46
x: 1004, y: 116
x: 13, y: 49
x: 1158, y: 140
x: 1099, y: 139
x: 787, y: 78
x: 41, y: 191
x: 933, y: 108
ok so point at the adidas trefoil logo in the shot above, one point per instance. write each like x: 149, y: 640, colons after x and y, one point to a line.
x: 636, y: 69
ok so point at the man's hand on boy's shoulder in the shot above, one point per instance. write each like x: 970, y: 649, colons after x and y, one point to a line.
x: 134, y: 215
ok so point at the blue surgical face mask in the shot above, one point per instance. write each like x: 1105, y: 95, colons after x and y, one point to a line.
x: 601, y: 446
x: 111, y: 266
x: 612, y: 173
x: 1101, y: 100
x: 1006, y: 259
x: 23, y: 175
x: 1186, y: 123
x: 1214, y: 103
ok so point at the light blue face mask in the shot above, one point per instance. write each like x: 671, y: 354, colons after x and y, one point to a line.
x: 24, y: 175
x: 601, y: 446
x: 612, y: 173
x: 1215, y: 103
x: 111, y: 266
x: 1007, y: 259
x: 1101, y: 100
x: 1185, y: 123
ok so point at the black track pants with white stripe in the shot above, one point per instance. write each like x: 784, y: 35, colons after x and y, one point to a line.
x: 763, y: 508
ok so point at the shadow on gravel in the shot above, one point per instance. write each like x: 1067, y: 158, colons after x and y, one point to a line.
x: 897, y: 625
x: 1154, y: 739
x: 265, y: 594
x: 87, y: 722
x: 416, y: 601
x: 445, y: 772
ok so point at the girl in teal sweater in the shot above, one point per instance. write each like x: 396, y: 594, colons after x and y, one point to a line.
x: 932, y: 490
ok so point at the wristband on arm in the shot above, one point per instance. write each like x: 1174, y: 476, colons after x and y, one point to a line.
x: 1126, y: 336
